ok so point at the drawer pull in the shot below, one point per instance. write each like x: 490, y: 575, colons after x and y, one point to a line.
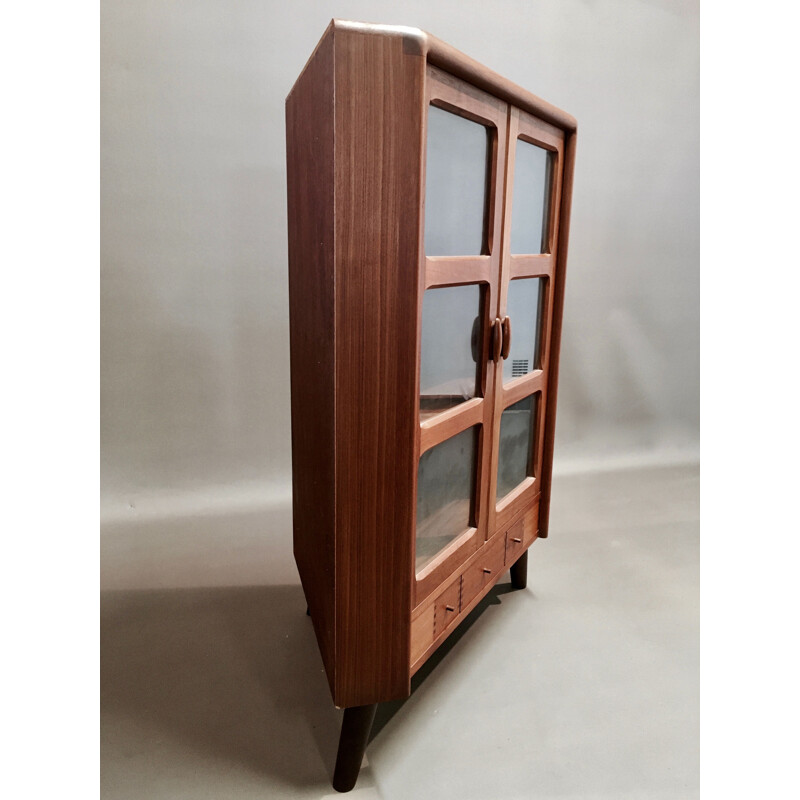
x: 449, y: 608
x: 487, y: 571
x: 516, y: 540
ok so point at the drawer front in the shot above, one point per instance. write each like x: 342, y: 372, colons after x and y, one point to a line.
x: 422, y: 633
x: 484, y: 571
x: 446, y: 607
x: 521, y: 534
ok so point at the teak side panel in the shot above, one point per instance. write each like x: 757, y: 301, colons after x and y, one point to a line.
x: 378, y: 124
x: 310, y: 186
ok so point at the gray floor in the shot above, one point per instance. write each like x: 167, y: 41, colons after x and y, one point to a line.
x: 585, y: 685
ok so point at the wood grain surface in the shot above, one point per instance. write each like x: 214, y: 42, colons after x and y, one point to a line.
x: 310, y: 188
x: 356, y: 124
x: 379, y: 90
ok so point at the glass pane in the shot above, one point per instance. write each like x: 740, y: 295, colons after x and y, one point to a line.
x: 456, y: 176
x: 445, y: 484
x: 524, y: 308
x: 530, y: 210
x: 451, y: 342
x: 516, y: 444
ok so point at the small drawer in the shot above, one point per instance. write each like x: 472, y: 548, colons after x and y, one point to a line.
x: 446, y: 607
x: 486, y: 570
x: 421, y: 633
x: 520, y: 535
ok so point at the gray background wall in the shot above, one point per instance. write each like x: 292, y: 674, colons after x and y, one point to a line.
x: 195, y: 367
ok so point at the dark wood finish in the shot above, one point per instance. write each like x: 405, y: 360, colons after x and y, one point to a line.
x: 353, y: 739
x: 310, y: 190
x: 378, y: 86
x: 462, y: 66
x: 422, y: 632
x: 519, y: 572
x: 352, y: 143
x: 356, y: 134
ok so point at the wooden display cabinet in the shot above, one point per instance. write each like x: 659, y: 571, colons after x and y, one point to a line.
x: 428, y: 208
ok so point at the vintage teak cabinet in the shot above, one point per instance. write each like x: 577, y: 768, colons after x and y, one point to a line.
x: 428, y: 208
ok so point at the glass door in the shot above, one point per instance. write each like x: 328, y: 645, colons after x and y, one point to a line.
x: 460, y: 265
x: 525, y: 298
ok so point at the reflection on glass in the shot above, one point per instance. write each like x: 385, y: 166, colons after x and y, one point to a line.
x: 456, y: 174
x: 450, y: 350
x: 530, y: 210
x: 516, y: 444
x: 445, y: 484
x: 525, y: 307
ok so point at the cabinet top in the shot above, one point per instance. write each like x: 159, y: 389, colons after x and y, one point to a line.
x: 446, y: 57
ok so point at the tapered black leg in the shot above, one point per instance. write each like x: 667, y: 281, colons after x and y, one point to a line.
x: 356, y: 725
x: 519, y: 572
x: 308, y: 611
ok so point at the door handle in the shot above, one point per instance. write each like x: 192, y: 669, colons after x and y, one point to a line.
x: 506, y: 337
x: 497, y: 339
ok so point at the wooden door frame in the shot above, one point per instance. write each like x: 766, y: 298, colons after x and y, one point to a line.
x: 455, y: 95
x: 524, y: 126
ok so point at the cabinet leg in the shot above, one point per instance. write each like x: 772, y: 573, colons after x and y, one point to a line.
x: 308, y: 611
x: 356, y: 725
x: 519, y: 572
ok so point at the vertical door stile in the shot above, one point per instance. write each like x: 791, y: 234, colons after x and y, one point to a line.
x: 494, y: 370
x: 504, y: 270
